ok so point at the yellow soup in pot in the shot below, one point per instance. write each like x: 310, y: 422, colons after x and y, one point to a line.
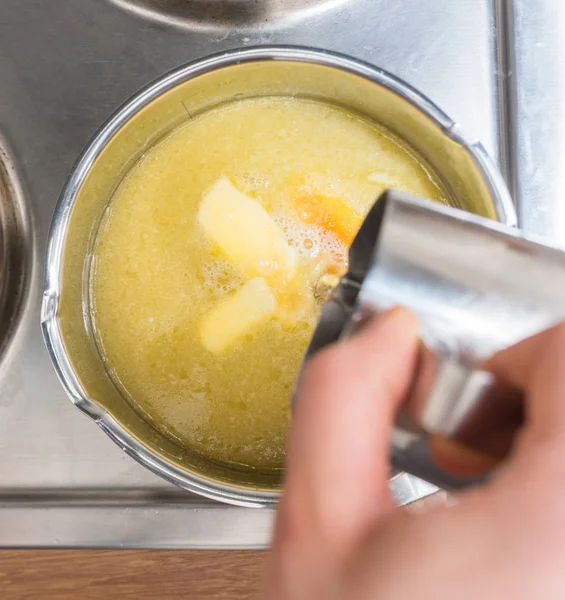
x: 210, y: 259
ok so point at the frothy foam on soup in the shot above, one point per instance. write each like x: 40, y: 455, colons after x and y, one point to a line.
x: 208, y: 259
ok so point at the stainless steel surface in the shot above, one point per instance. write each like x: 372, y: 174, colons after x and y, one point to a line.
x: 64, y: 66
x: 536, y: 88
x: 406, y: 489
x: 128, y: 518
x: 468, y: 175
x: 476, y: 287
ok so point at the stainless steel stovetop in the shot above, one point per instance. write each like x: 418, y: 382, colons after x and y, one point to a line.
x: 496, y: 66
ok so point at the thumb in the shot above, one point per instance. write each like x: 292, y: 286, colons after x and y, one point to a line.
x: 338, y: 465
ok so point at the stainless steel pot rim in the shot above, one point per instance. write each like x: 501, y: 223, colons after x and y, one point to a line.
x: 52, y: 287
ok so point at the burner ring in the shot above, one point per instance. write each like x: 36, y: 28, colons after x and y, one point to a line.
x: 222, y: 14
x: 15, y: 245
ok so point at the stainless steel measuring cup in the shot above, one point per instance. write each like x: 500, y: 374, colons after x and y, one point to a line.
x: 476, y: 287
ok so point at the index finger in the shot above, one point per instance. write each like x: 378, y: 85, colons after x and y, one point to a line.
x: 338, y: 463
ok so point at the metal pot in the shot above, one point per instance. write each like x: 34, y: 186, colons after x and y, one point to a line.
x: 463, y: 166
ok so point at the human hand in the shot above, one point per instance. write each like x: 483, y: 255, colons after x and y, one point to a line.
x: 338, y: 533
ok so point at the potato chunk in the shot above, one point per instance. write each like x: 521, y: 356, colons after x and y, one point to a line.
x: 252, y: 304
x: 246, y: 234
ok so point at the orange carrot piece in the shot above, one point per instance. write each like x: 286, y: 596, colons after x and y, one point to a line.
x: 329, y: 213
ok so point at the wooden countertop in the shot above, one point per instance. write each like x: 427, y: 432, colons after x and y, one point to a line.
x: 124, y: 574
